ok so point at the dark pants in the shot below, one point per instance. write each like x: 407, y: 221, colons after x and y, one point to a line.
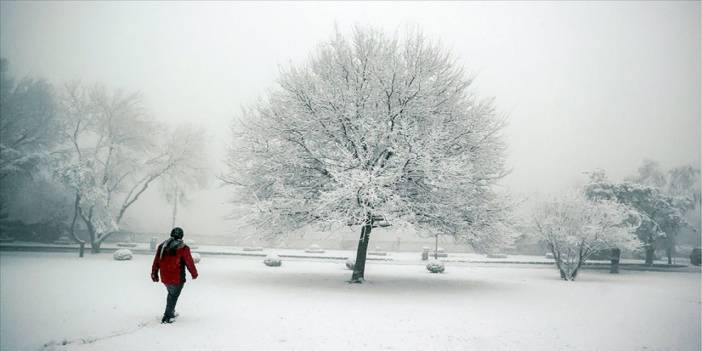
x: 173, y: 293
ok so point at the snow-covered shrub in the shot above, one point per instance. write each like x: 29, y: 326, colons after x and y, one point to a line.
x: 255, y: 248
x: 272, y: 260
x: 196, y: 257
x: 435, y: 266
x: 314, y: 248
x: 350, y: 262
x: 126, y: 244
x: 549, y: 255
x: 575, y: 228
x: 122, y: 255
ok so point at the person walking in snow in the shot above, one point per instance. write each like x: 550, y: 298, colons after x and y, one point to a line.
x: 172, y: 258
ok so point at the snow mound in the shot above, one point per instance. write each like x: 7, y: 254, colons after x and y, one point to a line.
x: 196, y: 257
x: 314, y: 248
x: 350, y: 263
x: 272, y: 260
x: 122, y: 255
x: 378, y: 252
x: 435, y: 266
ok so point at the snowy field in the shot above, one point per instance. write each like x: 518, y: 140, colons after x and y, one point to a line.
x: 55, y: 301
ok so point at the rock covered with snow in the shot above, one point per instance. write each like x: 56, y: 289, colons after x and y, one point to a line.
x: 272, y: 260
x: 122, y: 255
x: 350, y: 262
x: 435, y: 266
x: 196, y: 257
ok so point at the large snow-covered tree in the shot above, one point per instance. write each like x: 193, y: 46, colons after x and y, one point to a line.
x: 666, y: 202
x: 373, y: 128
x: 28, y: 121
x: 575, y: 227
x: 660, y: 215
x: 114, y: 151
x: 28, y: 135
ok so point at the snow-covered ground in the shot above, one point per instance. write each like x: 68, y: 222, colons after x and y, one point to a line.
x: 238, y: 303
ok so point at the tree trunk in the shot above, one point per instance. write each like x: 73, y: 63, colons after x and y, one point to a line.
x: 360, y: 266
x: 650, y: 251
x: 574, y: 274
x: 95, y: 247
x: 557, y: 260
x: 73, y: 227
x: 670, y: 247
x: 615, y: 255
x: 436, y: 247
x: 175, y: 208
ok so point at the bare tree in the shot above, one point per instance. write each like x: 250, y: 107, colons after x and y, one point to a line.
x: 113, y: 155
x: 372, y: 130
x: 188, y: 144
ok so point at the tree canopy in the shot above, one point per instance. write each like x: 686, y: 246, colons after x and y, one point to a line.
x: 373, y: 126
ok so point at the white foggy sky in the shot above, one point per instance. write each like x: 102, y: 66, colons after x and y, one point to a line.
x: 585, y: 85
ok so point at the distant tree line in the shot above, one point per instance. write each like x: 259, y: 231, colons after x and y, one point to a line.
x: 649, y: 211
x: 76, y: 158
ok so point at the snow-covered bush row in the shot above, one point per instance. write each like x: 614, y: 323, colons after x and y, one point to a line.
x: 496, y: 255
x: 435, y: 266
x: 378, y: 252
x: 122, y: 255
x: 272, y: 260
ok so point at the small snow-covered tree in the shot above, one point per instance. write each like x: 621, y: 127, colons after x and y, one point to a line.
x: 373, y: 128
x: 574, y: 228
x: 188, y: 144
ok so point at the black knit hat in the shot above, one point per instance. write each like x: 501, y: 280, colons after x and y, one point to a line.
x: 177, y: 233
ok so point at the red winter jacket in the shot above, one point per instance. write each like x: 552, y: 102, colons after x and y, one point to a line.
x: 172, y: 261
